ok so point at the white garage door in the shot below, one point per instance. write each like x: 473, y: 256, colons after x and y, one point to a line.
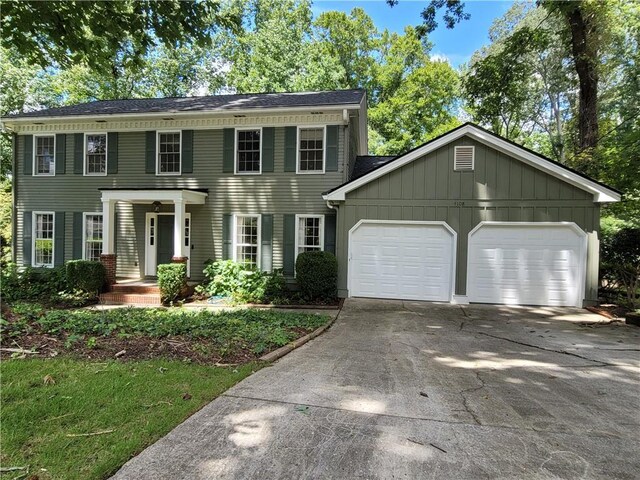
x: 403, y: 260
x: 527, y: 264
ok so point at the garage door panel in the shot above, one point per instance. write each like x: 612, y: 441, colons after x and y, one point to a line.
x: 531, y: 264
x: 405, y: 261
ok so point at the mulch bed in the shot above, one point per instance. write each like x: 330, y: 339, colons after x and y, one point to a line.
x: 609, y: 310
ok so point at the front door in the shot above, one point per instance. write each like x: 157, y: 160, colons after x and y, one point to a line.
x: 165, y: 239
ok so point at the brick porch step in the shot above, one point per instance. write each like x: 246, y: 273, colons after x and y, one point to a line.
x: 124, y: 288
x: 121, y: 298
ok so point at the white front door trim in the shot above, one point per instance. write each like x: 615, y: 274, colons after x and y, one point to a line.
x: 405, y: 222
x: 571, y: 225
x: 151, y: 251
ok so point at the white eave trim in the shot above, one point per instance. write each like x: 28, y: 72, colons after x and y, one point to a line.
x: 600, y: 193
x: 149, y: 196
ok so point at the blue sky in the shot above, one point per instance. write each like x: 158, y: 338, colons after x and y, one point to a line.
x: 457, y: 45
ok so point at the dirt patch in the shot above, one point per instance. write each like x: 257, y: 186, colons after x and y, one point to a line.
x: 610, y: 310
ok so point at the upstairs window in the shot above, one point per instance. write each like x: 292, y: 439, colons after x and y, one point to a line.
x: 310, y: 235
x: 311, y: 150
x: 247, y: 240
x: 95, y: 154
x: 44, y: 155
x: 92, y: 236
x: 248, y: 151
x: 43, y: 235
x: 169, y: 153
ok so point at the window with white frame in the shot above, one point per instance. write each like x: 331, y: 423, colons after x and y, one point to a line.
x: 44, y: 155
x: 168, y: 153
x: 248, y: 151
x: 310, y: 235
x: 95, y: 154
x: 311, y: 150
x: 92, y: 236
x: 43, y: 238
x: 246, y: 246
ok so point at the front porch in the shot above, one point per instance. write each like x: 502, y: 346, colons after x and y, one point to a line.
x: 166, y: 232
x: 134, y: 291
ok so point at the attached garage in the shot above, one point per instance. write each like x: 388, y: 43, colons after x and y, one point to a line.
x: 527, y: 264
x: 402, y: 260
x: 469, y: 217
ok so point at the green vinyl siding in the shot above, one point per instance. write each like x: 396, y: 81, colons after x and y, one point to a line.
x: 276, y: 193
x: 498, y: 189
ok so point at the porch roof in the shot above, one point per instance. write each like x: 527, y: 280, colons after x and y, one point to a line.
x: 150, y: 195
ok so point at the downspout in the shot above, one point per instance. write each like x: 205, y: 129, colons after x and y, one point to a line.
x: 14, y: 197
x: 331, y: 206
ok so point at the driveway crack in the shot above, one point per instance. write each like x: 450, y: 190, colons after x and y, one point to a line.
x: 464, y: 393
x: 600, y: 363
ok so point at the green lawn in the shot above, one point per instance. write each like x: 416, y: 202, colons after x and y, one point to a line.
x: 140, y: 401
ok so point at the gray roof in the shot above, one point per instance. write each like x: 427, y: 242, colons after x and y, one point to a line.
x: 203, y: 104
x: 366, y: 163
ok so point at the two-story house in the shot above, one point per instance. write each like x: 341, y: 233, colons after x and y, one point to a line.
x: 466, y: 217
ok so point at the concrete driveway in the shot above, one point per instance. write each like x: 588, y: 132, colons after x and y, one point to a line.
x: 420, y: 390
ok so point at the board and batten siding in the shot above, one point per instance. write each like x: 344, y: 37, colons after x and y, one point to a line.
x: 499, y: 188
x: 277, y: 193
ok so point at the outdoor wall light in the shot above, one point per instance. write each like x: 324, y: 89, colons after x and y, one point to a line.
x: 156, y: 206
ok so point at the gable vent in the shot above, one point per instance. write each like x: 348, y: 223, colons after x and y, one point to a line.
x: 463, y: 158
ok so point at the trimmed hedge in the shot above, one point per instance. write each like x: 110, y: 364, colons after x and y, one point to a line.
x: 85, y: 275
x: 317, y: 275
x: 172, y: 281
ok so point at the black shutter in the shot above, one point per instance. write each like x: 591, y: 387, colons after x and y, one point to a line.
x: 27, y: 158
x: 268, y: 146
x: 78, y: 153
x: 227, y: 240
x: 112, y: 153
x: 187, y: 151
x: 58, y: 253
x: 290, y: 139
x: 27, y: 232
x: 289, y: 244
x: 77, y: 235
x: 150, y: 152
x: 332, y: 148
x: 266, y: 253
x: 330, y: 233
x: 228, y: 139
x: 61, y: 153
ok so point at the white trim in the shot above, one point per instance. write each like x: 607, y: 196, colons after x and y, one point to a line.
x: 33, y: 239
x: 570, y: 225
x: 235, y: 149
x: 452, y: 287
x: 600, y: 193
x: 473, y: 158
x: 460, y: 300
x: 324, y: 149
x: 167, y: 174
x: 151, y: 251
x: 84, y: 231
x: 106, y: 153
x: 149, y: 196
x: 297, y: 231
x: 234, y: 242
x: 34, y: 171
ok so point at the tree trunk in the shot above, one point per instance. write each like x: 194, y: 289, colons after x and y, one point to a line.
x: 585, y: 54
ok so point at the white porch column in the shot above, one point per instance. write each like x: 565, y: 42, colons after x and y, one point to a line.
x: 108, y: 226
x: 178, y: 228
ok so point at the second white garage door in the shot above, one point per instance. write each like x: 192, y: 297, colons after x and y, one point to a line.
x: 527, y: 264
x: 402, y: 260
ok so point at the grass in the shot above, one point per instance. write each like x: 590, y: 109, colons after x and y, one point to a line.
x: 140, y: 401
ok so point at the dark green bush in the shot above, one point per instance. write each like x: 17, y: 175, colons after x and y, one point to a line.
x: 317, y: 275
x: 85, y: 275
x: 172, y: 280
x: 41, y: 284
x: 621, y: 262
x: 275, y: 289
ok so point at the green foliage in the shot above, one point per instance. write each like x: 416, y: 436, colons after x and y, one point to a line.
x: 621, y: 261
x: 317, y: 275
x: 172, y: 281
x: 86, y: 276
x: 227, y: 278
x: 141, y: 401
x: 42, y: 284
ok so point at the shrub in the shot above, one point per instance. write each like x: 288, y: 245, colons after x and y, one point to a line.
x: 227, y: 278
x: 172, y: 280
x: 621, y: 261
x: 85, y: 275
x: 317, y: 275
x: 32, y: 284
